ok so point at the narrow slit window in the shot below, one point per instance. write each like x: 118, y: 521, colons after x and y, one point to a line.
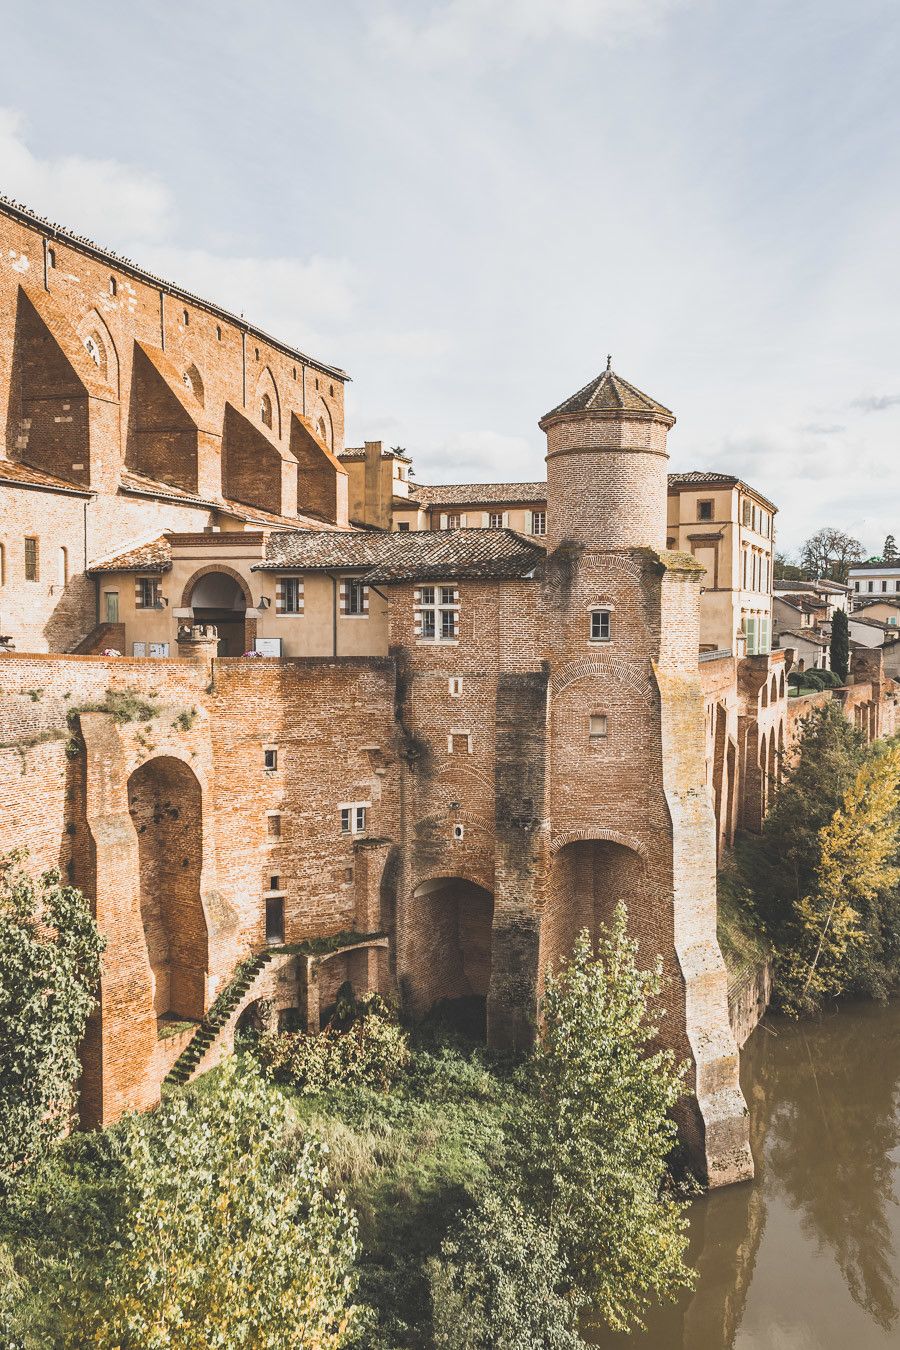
x: 31, y: 558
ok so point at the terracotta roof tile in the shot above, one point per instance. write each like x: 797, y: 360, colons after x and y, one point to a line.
x: 411, y: 556
x: 153, y: 556
x: 11, y: 471
x: 609, y: 394
x: 474, y: 494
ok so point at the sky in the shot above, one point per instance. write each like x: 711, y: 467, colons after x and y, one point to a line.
x: 468, y: 204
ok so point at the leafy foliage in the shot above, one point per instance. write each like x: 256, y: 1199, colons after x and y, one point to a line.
x: 840, y: 645
x: 373, y: 1050
x: 49, y: 972
x: 856, y: 873
x: 496, y: 1283
x: 597, y: 1136
x: 208, y: 1224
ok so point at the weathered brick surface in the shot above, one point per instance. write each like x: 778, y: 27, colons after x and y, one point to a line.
x: 103, y: 370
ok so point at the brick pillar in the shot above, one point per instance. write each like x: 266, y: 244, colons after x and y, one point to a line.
x: 522, y: 859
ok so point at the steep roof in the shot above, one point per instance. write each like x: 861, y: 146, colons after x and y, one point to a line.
x: 138, y: 485
x: 609, y: 395
x: 417, y: 555
x: 864, y: 601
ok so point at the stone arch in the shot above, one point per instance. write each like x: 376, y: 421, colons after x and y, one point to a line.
x: 764, y: 696
x: 605, y: 664
x: 773, y: 695
x: 781, y: 685
x: 193, y: 382
x: 448, y: 943
x: 166, y: 807
x: 220, y: 596
x: 590, y: 874
x: 322, y: 423
x: 100, y: 347
x: 268, y: 404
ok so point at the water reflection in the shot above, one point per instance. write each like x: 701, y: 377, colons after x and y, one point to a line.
x: 805, y: 1257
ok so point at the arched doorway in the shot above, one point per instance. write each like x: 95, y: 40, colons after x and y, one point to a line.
x: 588, y: 879
x: 449, y: 945
x: 166, y: 810
x: 219, y: 598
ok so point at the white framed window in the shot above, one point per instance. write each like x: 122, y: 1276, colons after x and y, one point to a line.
x: 601, y: 625
x: 496, y: 520
x: 353, y: 817
x: 289, y: 595
x: 270, y: 758
x: 538, y: 522
x: 147, y: 593
x: 436, y: 613
x: 354, y: 598
x: 454, y: 520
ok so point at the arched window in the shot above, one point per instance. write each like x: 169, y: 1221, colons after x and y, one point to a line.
x: 113, y: 286
x: 51, y: 257
x: 265, y: 410
x: 218, y: 332
x: 322, y: 429
x: 192, y: 381
x: 63, y: 566
x: 92, y: 346
x: 186, y: 317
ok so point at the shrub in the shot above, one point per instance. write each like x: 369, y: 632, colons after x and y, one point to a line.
x: 496, y: 1284
x: 373, y: 1051
x: 812, y: 679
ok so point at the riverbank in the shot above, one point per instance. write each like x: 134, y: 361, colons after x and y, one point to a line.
x: 807, y: 1256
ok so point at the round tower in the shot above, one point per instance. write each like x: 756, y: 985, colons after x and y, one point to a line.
x: 606, y: 466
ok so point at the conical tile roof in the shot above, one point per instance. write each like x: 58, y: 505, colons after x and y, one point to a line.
x: 610, y: 396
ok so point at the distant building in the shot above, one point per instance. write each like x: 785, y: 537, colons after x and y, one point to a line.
x: 868, y: 580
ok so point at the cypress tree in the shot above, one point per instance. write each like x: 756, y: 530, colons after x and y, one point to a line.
x: 840, y: 644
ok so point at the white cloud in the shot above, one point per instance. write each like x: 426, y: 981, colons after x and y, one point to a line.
x: 481, y: 455
x: 483, y: 32
x: 99, y: 198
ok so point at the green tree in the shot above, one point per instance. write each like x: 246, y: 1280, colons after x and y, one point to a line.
x: 889, y: 553
x: 779, y: 866
x: 497, y: 1284
x: 49, y: 973
x: 226, y: 1235
x: 840, y: 645
x: 599, y: 1132
x: 858, y: 851
x: 829, y: 553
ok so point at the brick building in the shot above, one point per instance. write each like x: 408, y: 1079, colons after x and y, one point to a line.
x: 456, y: 745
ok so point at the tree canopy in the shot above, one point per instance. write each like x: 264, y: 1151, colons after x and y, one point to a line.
x: 829, y: 552
x: 49, y: 975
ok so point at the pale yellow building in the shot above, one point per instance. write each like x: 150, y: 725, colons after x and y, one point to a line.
x: 729, y: 527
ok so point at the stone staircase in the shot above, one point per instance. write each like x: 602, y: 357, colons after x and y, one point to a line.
x: 226, y: 1008
x: 99, y: 638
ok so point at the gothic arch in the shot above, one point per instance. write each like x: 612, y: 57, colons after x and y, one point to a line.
x: 322, y: 423
x: 193, y: 382
x: 267, y: 398
x: 98, y: 341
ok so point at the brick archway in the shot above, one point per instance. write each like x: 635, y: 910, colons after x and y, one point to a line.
x: 222, y: 570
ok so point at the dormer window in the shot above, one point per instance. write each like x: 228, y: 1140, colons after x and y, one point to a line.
x: 601, y: 625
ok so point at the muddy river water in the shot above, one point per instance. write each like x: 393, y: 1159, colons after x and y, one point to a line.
x: 807, y: 1256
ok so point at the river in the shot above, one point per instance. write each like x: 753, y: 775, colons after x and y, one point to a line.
x: 807, y: 1256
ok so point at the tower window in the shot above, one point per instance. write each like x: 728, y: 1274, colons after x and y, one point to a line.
x: 353, y: 817
x: 186, y: 317
x: 273, y: 824
x: 51, y: 257
x: 601, y: 625
x: 218, y: 332
x: 256, y: 353
x: 270, y: 757
x: 113, y: 286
